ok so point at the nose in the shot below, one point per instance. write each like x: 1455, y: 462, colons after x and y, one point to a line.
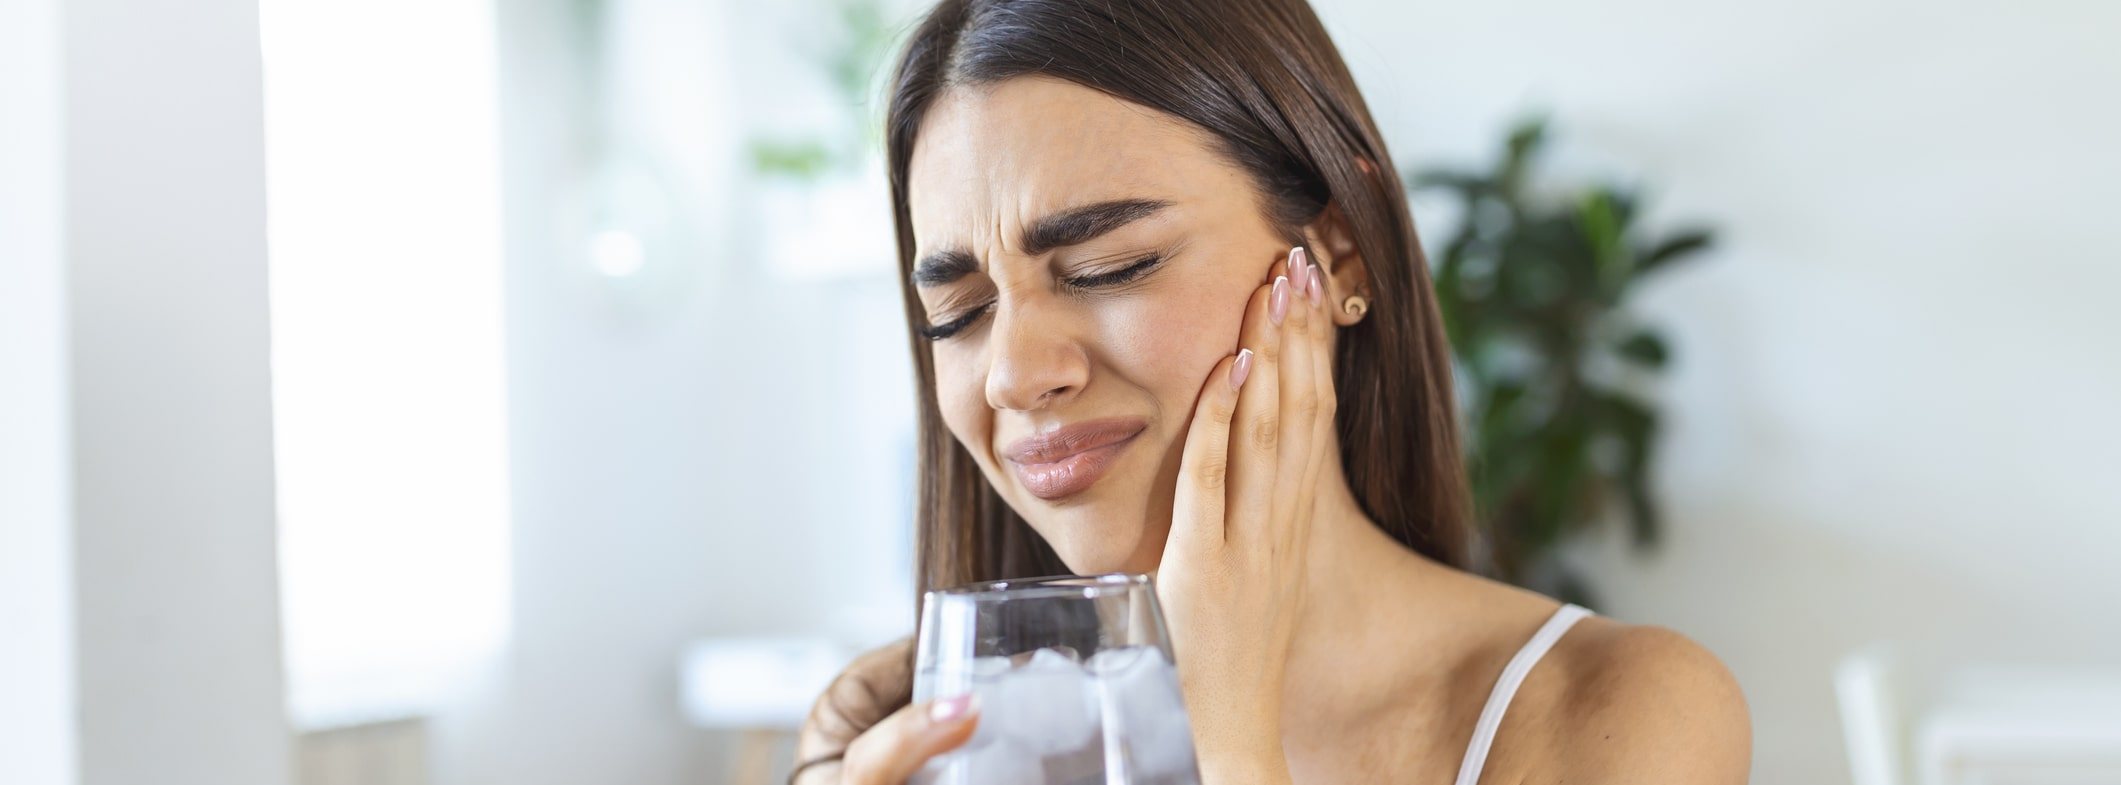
x: 1033, y: 362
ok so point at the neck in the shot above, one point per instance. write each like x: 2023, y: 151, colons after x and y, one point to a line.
x: 1360, y: 588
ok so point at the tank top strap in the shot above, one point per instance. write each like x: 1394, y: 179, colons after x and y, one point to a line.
x: 1506, y: 687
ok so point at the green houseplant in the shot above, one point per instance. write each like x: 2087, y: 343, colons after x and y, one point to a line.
x: 860, y: 35
x: 1534, y: 288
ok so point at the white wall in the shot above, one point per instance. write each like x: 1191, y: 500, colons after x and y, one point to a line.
x: 36, y: 664
x: 1893, y: 415
x: 179, y: 677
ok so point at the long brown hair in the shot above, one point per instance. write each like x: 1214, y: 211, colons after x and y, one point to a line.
x: 1263, y: 78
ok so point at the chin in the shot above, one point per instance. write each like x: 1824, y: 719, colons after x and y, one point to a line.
x: 1091, y: 543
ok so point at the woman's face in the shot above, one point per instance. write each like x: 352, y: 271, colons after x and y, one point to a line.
x: 1090, y: 259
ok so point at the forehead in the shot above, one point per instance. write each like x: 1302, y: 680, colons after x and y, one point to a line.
x: 1001, y: 154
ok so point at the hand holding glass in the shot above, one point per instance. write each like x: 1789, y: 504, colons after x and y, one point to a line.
x: 1074, y: 680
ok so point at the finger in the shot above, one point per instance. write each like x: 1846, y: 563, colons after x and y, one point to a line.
x: 897, y: 747
x: 876, y: 683
x: 1256, y: 431
x: 1328, y: 344
x: 1325, y: 439
x: 1321, y: 339
x: 1204, y: 467
x: 1299, y: 396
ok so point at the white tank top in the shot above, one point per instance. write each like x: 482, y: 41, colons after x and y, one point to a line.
x: 1506, y: 687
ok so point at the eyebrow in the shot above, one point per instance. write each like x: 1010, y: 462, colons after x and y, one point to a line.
x: 1073, y: 226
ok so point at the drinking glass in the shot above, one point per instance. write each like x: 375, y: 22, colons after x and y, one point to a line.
x: 1074, y: 680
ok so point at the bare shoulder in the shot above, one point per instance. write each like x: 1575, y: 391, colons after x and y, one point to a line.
x: 1644, y: 704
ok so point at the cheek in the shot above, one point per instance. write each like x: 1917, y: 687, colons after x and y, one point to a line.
x: 960, y: 396
x: 1170, y: 344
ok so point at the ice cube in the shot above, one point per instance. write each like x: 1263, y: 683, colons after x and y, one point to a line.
x: 1005, y: 762
x: 1141, y: 706
x: 1054, y: 658
x: 956, y: 678
x: 1119, y: 658
x: 980, y: 676
x: 1002, y: 762
x: 1048, y: 705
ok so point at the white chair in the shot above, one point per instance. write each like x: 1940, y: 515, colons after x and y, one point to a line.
x: 1873, y: 718
x: 1911, y: 724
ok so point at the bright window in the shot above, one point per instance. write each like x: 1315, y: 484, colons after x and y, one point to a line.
x: 384, y: 224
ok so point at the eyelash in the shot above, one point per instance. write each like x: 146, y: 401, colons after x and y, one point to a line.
x: 1139, y: 268
x: 937, y: 332
x: 1123, y: 275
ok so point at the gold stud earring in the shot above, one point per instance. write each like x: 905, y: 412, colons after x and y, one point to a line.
x: 1355, y: 306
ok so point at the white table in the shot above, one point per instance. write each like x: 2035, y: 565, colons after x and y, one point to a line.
x: 761, y: 689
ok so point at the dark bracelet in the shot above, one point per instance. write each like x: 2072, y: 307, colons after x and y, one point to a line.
x: 820, y: 760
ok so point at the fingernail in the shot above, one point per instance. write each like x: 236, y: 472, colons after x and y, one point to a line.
x: 1299, y: 264
x: 1318, y: 286
x: 1240, y: 369
x: 951, y: 708
x: 1278, y: 301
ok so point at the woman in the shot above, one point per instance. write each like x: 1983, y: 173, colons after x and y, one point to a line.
x: 1170, y: 316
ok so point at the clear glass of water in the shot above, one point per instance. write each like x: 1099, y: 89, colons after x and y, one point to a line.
x: 1074, y: 677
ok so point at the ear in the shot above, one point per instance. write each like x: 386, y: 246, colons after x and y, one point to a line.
x: 1331, y: 243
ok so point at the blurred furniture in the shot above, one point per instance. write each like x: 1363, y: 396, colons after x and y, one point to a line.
x: 381, y: 752
x: 1911, y: 724
x: 759, y: 689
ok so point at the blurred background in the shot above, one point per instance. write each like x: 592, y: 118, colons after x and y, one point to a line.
x: 454, y: 392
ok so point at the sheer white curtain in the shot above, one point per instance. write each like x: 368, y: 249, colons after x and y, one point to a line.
x: 384, y: 225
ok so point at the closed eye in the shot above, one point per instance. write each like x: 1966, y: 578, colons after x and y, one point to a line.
x: 937, y: 332
x: 944, y: 331
x: 1120, y: 276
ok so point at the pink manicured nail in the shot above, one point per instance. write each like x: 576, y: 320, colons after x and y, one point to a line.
x: 1278, y: 301
x: 1241, y: 369
x: 1318, y: 286
x: 950, y: 708
x: 1299, y: 267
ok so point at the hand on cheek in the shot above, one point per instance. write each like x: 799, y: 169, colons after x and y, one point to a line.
x: 1232, y: 575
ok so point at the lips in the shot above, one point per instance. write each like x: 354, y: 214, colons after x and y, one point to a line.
x: 1066, y: 461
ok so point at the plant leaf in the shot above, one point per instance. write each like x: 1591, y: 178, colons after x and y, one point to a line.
x: 1468, y: 184
x: 1645, y: 347
x: 1524, y: 143
x: 1636, y: 426
x: 1599, y: 222
x: 1672, y: 249
x: 802, y: 158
